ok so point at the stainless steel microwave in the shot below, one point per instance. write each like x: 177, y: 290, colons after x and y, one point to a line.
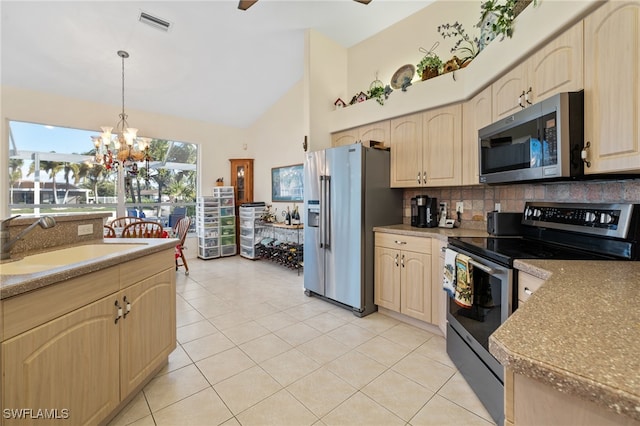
x: 542, y: 141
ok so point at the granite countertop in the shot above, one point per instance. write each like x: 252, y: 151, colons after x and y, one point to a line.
x: 13, y: 285
x: 579, y: 333
x: 440, y: 233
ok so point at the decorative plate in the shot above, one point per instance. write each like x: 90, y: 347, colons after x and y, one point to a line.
x: 405, y: 71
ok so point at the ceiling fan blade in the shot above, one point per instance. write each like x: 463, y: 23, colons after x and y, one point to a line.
x: 363, y: 1
x: 246, y: 4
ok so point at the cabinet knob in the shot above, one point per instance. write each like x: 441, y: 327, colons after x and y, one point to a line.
x: 419, y: 178
x: 424, y: 178
x: 527, y: 291
x: 584, y: 154
x: 127, y: 307
x: 526, y: 96
x: 402, y: 261
x: 520, y: 100
x: 396, y: 259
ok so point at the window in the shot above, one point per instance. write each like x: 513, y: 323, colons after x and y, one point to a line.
x: 52, y: 170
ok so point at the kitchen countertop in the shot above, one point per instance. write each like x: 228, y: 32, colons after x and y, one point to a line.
x: 579, y: 333
x: 13, y: 285
x: 440, y: 233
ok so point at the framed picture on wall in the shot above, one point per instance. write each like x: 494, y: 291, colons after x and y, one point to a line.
x: 287, y: 183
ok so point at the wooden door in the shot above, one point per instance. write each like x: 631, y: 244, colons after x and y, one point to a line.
x: 507, y: 90
x: 406, y: 151
x: 67, y: 363
x: 346, y: 137
x: 387, y: 278
x: 558, y: 66
x: 242, y: 182
x: 476, y: 114
x: 442, y: 146
x: 415, y: 284
x: 148, y: 334
x: 612, y: 92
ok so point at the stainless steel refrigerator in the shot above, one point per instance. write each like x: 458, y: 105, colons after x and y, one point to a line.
x: 346, y: 194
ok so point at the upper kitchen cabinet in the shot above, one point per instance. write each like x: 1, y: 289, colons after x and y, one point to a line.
x: 612, y: 92
x: 378, y: 131
x: 406, y: 151
x: 476, y: 114
x: 426, y: 148
x: 556, y: 67
x: 442, y: 146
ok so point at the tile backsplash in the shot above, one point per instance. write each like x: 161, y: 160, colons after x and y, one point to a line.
x: 478, y: 200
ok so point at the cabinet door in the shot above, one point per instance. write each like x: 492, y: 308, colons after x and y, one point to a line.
x: 67, y: 363
x: 612, y: 92
x: 476, y: 114
x: 375, y: 132
x: 387, y: 278
x: 439, y: 299
x: 346, y: 137
x: 557, y: 67
x: 147, y: 333
x: 507, y: 90
x: 406, y: 151
x: 415, y: 280
x: 442, y: 146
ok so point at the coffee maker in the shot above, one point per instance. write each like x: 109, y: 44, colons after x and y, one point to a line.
x: 414, y: 211
x: 427, y: 212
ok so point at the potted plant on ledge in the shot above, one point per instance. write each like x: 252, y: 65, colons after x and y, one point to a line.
x: 430, y: 66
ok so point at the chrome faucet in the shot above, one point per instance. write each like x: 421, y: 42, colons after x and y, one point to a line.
x: 45, y: 222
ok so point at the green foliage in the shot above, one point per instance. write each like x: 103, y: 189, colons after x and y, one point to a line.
x: 466, y: 47
x: 376, y: 92
x: 431, y: 60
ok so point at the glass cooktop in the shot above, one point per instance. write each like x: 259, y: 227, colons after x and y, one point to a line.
x: 505, y: 250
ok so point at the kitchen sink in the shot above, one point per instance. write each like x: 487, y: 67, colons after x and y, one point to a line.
x: 63, y: 257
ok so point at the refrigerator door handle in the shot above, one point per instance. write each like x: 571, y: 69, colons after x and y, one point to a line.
x: 327, y: 215
x: 322, y: 212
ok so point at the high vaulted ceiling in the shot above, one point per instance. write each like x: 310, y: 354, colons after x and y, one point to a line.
x: 216, y: 63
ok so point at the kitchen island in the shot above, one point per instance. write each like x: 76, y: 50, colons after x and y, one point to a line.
x: 80, y: 340
x: 573, y: 347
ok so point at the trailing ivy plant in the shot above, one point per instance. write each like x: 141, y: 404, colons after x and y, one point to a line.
x: 377, y: 92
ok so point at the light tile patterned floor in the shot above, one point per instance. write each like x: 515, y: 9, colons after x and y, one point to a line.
x: 254, y: 350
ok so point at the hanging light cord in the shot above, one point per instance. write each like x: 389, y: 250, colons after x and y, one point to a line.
x: 123, y: 116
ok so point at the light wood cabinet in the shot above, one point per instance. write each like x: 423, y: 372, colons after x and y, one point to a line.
x: 148, y: 333
x: 402, y: 275
x: 476, y: 114
x: 378, y: 131
x: 612, y: 92
x: 530, y: 402
x: 556, y: 67
x: 439, y: 299
x: 66, y: 364
x: 86, y: 359
x: 527, y: 285
x: 426, y: 148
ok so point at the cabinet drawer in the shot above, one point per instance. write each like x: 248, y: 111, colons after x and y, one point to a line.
x: 527, y: 284
x: 403, y: 242
x: 29, y: 310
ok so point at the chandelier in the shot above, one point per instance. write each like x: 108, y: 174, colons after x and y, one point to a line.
x: 122, y: 147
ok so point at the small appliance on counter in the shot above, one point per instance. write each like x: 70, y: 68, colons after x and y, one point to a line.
x: 427, y: 212
x: 504, y: 223
x: 414, y: 211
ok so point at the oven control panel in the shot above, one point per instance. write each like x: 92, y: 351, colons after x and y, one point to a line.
x: 598, y: 219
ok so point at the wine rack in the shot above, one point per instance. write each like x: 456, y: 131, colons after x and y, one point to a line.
x: 282, y: 244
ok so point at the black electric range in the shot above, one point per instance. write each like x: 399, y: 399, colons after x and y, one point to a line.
x: 566, y: 231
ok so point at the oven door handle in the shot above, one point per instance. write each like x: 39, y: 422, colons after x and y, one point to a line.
x: 482, y: 267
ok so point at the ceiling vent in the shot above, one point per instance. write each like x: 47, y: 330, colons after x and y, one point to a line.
x: 154, y: 21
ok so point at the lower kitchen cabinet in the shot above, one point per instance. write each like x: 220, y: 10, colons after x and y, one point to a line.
x: 66, y: 365
x: 402, y: 275
x: 530, y: 402
x: 85, y: 358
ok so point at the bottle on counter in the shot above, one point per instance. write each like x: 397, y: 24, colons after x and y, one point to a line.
x: 287, y: 218
x: 295, y: 216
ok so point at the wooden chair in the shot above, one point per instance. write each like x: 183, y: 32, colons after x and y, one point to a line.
x: 143, y: 229
x: 122, y: 221
x: 108, y: 232
x: 180, y: 231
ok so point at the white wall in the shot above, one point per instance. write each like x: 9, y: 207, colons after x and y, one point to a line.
x: 276, y: 140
